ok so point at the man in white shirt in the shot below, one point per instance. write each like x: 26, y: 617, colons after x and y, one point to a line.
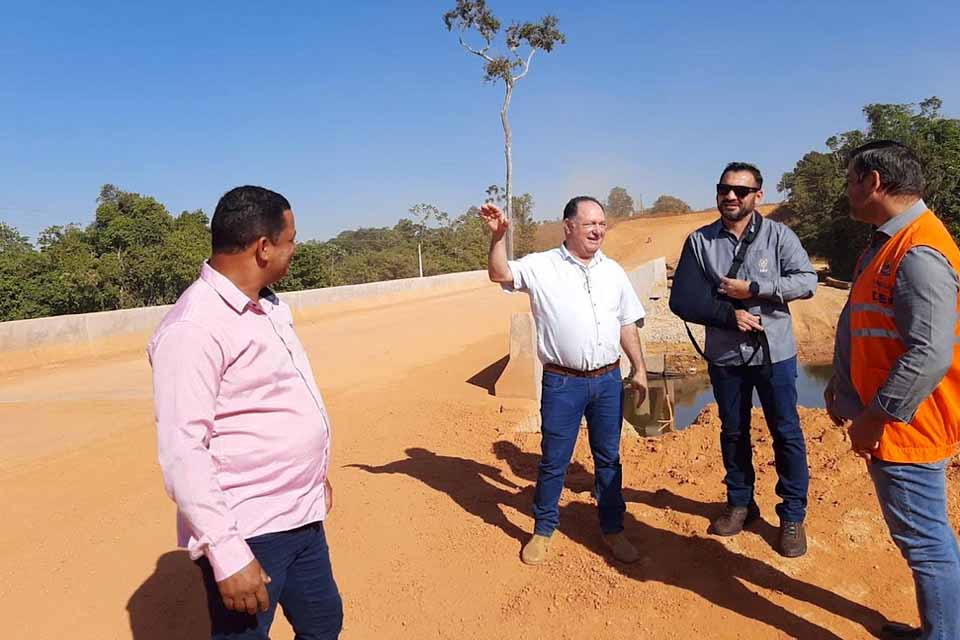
x: 585, y: 310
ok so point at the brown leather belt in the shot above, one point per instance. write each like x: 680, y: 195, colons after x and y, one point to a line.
x: 593, y: 373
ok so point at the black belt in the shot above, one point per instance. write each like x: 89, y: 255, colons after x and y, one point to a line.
x: 593, y: 373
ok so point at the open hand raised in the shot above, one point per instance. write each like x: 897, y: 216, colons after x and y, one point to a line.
x: 493, y: 216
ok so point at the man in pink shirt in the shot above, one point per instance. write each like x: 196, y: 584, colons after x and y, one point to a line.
x: 243, y: 434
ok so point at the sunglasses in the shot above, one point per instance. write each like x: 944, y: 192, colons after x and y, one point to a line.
x: 739, y: 191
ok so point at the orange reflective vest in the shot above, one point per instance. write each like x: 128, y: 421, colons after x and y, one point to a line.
x: 876, y: 345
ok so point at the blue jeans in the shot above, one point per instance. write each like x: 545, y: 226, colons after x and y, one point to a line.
x: 564, y: 403
x: 913, y: 498
x: 777, y: 388
x: 298, y: 563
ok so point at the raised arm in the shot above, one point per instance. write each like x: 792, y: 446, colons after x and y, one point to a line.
x: 497, y: 267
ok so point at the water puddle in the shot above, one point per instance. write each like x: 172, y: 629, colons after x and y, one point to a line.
x: 674, y: 403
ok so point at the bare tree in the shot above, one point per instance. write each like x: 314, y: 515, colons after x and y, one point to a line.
x: 473, y: 15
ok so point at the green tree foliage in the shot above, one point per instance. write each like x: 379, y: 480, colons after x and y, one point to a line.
x: 135, y: 253
x: 816, y: 187
x: 669, y: 204
x: 19, y: 266
x: 619, y: 203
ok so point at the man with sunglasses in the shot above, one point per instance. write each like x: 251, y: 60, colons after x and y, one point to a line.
x: 586, y: 311
x: 736, y: 277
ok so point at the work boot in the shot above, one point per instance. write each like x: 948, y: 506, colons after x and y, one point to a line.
x: 733, y: 519
x: 899, y: 631
x: 623, y: 550
x: 535, y: 551
x: 793, y: 539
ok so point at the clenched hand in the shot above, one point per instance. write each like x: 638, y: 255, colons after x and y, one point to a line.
x: 246, y: 590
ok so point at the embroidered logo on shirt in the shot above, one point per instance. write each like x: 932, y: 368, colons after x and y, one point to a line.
x: 764, y: 265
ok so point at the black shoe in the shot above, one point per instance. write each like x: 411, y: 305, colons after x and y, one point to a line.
x: 793, y: 539
x: 733, y: 519
x: 898, y: 631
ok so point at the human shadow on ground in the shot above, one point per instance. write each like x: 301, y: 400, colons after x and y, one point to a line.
x: 487, y: 377
x: 171, y: 603
x: 664, y: 499
x: 478, y: 488
x: 701, y: 565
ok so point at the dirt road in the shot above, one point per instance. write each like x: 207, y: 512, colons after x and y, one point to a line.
x: 433, y: 491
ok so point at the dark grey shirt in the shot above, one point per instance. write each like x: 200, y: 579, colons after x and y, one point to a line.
x: 778, y: 263
x: 925, y: 312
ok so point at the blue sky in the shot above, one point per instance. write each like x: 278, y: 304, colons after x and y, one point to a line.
x: 357, y: 111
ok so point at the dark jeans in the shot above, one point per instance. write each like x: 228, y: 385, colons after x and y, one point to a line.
x: 565, y: 401
x: 733, y: 388
x: 913, y: 498
x: 298, y: 563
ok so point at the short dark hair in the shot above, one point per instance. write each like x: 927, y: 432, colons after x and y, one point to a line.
x: 736, y: 167
x: 897, y: 164
x: 245, y: 214
x: 570, y: 211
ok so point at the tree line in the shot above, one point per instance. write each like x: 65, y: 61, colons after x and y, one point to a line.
x: 136, y: 253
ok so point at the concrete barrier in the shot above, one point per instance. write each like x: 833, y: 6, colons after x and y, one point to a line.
x: 521, y: 377
x: 299, y: 300
x: 649, y: 280
x: 41, y: 341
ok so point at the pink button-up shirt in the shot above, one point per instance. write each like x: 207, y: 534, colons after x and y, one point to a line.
x: 242, y: 432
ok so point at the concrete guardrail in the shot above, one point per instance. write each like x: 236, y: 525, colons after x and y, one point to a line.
x: 29, y: 343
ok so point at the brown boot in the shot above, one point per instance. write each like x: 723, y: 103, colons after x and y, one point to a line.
x: 733, y: 519
x: 793, y: 539
x: 623, y: 550
x: 535, y: 551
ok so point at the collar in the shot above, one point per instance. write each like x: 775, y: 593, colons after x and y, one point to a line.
x: 721, y: 228
x: 895, y: 225
x: 225, y: 288
x: 598, y: 257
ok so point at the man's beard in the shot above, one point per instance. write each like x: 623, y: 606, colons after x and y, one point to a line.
x: 742, y: 213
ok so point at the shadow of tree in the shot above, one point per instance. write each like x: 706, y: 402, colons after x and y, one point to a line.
x: 701, y: 565
x: 171, y: 603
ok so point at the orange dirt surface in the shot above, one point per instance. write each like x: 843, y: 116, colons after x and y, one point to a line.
x: 433, y: 487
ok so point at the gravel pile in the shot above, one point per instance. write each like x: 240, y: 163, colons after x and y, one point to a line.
x: 661, y: 326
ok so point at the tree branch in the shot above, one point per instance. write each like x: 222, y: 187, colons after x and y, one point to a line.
x: 526, y: 65
x: 481, y: 52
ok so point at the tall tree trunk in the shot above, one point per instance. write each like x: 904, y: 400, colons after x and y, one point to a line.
x: 508, y: 151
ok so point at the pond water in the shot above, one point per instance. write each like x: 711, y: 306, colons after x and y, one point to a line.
x: 674, y: 404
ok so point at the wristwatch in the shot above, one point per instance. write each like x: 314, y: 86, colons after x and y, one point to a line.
x: 754, y: 288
